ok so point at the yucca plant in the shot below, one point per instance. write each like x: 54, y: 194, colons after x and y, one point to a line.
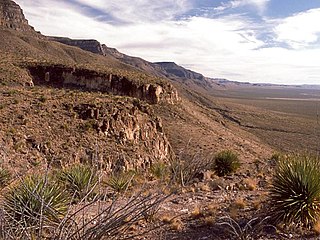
x: 225, y: 163
x: 79, y: 180
x: 295, y: 191
x: 120, y: 181
x: 159, y: 170
x: 35, y: 201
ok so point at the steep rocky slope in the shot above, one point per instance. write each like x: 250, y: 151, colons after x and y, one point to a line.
x: 61, y: 104
x: 66, y: 126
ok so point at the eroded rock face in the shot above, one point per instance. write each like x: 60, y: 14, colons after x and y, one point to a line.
x: 129, y: 125
x: 88, y: 45
x: 12, y: 17
x: 62, y: 76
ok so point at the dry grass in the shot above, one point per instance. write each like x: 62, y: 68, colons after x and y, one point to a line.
x: 177, y: 225
x: 239, y: 203
x: 250, y: 184
x: 197, y: 213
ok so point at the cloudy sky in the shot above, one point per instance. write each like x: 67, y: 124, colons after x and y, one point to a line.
x: 275, y: 41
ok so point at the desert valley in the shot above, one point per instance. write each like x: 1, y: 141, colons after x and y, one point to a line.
x: 97, y: 144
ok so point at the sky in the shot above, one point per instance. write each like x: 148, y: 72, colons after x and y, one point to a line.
x: 257, y: 41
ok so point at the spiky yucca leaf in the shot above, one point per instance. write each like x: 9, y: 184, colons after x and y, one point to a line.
x: 159, y: 170
x: 79, y: 180
x: 226, y: 162
x: 295, y: 191
x: 120, y: 182
x: 33, y: 200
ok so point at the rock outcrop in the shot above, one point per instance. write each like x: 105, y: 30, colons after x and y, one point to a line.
x: 129, y: 124
x: 62, y: 76
x: 89, y: 45
x: 12, y: 17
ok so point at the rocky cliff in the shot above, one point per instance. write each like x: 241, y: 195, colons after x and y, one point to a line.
x: 12, y: 17
x: 88, y: 45
x: 62, y: 76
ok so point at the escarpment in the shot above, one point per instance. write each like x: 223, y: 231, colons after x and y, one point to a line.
x: 63, y: 76
x: 129, y: 124
x: 90, y: 45
x: 12, y: 17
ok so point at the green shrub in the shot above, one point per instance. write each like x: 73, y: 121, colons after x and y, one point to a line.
x: 35, y: 200
x: 295, y: 191
x: 120, y: 182
x: 4, y: 177
x: 79, y: 180
x: 159, y: 170
x: 226, y: 163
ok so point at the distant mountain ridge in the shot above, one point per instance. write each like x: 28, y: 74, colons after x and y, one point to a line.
x: 168, y: 70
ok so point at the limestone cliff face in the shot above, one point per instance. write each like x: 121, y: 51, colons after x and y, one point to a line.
x: 129, y: 125
x: 62, y: 76
x: 12, y: 17
x: 88, y: 45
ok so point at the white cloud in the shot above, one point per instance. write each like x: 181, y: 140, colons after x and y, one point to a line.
x: 260, y: 5
x: 223, y: 47
x: 134, y: 11
x: 300, y: 30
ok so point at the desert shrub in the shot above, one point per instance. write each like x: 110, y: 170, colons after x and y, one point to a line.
x: 35, y: 201
x: 159, y: 170
x: 252, y: 229
x: 225, y: 163
x: 79, y: 180
x: 295, y: 191
x: 112, y: 221
x: 186, y: 167
x: 4, y: 177
x: 120, y: 181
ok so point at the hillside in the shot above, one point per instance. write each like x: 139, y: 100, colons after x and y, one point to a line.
x: 151, y: 130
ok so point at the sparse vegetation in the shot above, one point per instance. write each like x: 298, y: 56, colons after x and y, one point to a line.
x: 79, y: 180
x: 186, y: 167
x: 250, y: 230
x: 34, y: 203
x: 295, y: 191
x: 85, y: 123
x: 120, y: 181
x: 226, y: 163
x: 159, y: 170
